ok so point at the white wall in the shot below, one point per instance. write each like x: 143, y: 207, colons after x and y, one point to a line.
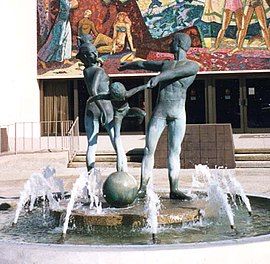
x: 19, y: 91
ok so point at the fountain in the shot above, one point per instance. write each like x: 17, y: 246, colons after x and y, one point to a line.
x: 149, y: 227
x: 117, y: 221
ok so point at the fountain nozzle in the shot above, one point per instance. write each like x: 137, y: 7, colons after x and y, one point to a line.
x: 232, y: 227
x: 250, y: 213
x: 154, y: 238
x: 62, y: 239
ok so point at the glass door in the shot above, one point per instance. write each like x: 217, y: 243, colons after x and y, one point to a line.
x: 257, y: 106
x: 229, y: 106
x: 196, y: 103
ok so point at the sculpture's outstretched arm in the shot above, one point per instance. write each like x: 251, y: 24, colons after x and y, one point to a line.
x: 187, y: 69
x: 145, y: 65
x: 99, y: 97
x: 135, y: 90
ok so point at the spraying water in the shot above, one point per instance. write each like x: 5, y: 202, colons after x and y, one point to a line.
x: 85, y: 186
x: 152, y: 208
x: 236, y: 189
x: 40, y: 185
x: 219, y: 185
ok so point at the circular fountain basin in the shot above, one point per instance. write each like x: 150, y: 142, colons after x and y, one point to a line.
x: 33, y: 239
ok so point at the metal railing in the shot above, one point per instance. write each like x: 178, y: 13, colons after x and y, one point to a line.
x: 25, y: 137
x: 74, y: 139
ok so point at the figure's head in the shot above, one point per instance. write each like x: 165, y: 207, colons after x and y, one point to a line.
x: 181, y: 41
x: 87, y: 13
x: 122, y: 17
x: 87, y: 54
x: 118, y: 91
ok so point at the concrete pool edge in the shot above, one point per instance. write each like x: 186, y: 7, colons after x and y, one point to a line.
x: 243, y: 250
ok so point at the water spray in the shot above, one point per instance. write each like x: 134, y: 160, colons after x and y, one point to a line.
x: 152, y: 209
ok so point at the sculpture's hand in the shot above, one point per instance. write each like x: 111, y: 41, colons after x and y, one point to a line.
x: 104, y: 119
x: 153, y: 82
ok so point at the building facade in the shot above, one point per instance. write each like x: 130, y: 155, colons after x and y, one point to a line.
x: 46, y: 82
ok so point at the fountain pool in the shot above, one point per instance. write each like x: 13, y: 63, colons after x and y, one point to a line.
x: 202, y: 241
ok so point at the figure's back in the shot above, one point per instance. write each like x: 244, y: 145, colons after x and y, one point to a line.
x: 102, y: 86
x: 90, y: 74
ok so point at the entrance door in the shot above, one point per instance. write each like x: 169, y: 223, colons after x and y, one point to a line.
x: 245, y: 103
x: 228, y: 107
x: 196, y: 103
x: 257, y: 107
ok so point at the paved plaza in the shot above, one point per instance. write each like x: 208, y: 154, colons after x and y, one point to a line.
x: 16, y: 169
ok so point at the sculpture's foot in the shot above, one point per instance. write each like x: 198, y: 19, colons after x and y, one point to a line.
x: 141, y: 193
x: 177, y: 195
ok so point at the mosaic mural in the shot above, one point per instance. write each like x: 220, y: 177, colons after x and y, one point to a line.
x: 227, y: 35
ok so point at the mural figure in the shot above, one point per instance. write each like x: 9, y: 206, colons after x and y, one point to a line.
x: 174, y: 79
x: 231, y: 7
x: 97, y: 82
x: 121, y: 32
x: 86, y: 27
x: 58, y: 45
x: 142, y: 30
x: 251, y: 7
x: 43, y: 19
x: 118, y: 96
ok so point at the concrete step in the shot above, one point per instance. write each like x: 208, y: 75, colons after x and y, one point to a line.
x: 103, y: 164
x: 252, y: 157
x: 252, y: 151
x: 104, y: 158
x: 107, y: 158
x: 136, y: 151
x: 134, y: 155
x: 97, y: 154
x: 252, y: 164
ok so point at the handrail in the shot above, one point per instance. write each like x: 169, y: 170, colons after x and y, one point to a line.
x: 74, y: 139
x: 73, y: 125
x: 22, y: 137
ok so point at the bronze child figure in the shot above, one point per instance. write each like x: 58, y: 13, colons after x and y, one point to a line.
x: 118, y: 96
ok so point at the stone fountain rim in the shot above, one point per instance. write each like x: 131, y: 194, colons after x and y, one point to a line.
x: 220, y: 243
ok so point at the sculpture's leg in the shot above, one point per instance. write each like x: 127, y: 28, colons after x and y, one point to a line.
x: 154, y: 131
x: 176, y: 132
x: 91, y: 128
x: 121, y: 156
x: 113, y: 129
x: 136, y: 112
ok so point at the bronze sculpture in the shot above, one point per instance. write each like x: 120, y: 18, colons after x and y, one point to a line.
x: 118, y: 96
x: 97, y: 81
x: 173, y: 81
